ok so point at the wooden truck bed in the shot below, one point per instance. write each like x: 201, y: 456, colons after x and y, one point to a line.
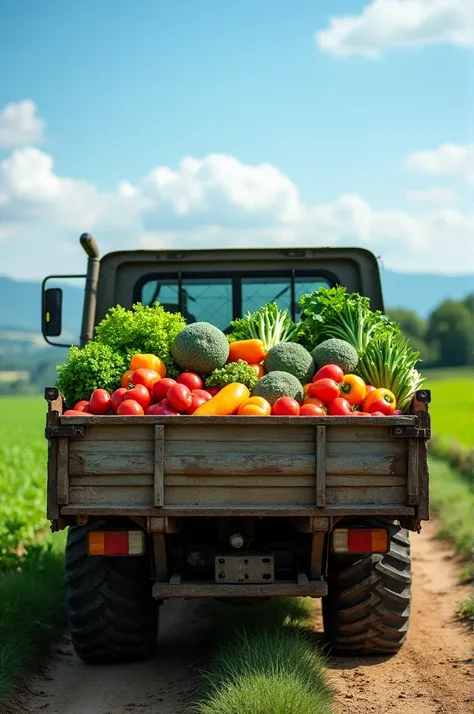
x: 221, y: 466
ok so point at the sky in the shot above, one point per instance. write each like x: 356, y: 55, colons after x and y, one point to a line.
x: 215, y: 124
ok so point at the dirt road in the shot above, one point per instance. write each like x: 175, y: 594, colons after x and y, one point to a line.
x: 429, y: 676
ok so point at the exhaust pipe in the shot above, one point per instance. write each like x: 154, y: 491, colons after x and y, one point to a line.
x: 90, y: 294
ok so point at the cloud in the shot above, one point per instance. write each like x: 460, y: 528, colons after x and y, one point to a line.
x: 435, y: 196
x: 385, y: 24
x: 209, y: 202
x: 447, y: 160
x: 20, y: 125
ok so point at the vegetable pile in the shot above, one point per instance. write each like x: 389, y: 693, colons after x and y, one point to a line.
x: 341, y: 359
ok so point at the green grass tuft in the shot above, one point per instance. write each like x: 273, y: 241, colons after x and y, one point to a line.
x: 466, y: 609
x: 452, y: 500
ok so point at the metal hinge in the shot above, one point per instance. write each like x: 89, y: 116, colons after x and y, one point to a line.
x: 54, y: 432
x: 410, y: 432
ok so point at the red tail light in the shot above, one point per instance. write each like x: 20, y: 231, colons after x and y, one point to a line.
x: 360, y: 540
x: 116, y: 543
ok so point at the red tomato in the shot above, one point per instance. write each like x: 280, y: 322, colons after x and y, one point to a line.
x: 117, y: 398
x: 191, y: 380
x: 286, y: 406
x: 129, y: 407
x: 196, y: 402
x: 179, y: 397
x: 146, y: 377
x: 369, y: 388
x: 312, y: 410
x: 377, y: 414
x: 329, y: 371
x: 325, y: 389
x: 161, y: 409
x: 81, y: 406
x: 76, y: 412
x: 360, y: 414
x: 139, y: 394
x: 100, y: 402
x: 161, y: 388
x: 201, y: 393
x: 339, y: 407
x: 213, y: 390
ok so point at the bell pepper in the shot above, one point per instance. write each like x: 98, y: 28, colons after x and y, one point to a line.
x: 126, y: 378
x: 147, y: 361
x: 353, y: 389
x: 259, y: 370
x: 380, y: 400
x: 255, y: 406
x: 226, y: 402
x: 251, y: 351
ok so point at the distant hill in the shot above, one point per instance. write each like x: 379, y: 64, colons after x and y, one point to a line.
x: 20, y: 302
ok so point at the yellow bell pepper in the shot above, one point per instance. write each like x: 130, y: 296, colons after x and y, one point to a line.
x: 226, y: 402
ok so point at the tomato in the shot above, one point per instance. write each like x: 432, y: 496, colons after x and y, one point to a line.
x: 314, y: 400
x: 191, y: 380
x: 397, y: 412
x: 259, y: 370
x: 146, y: 377
x: 126, y: 378
x: 339, y: 407
x: 312, y: 410
x: 376, y: 414
x: 361, y: 414
x: 286, y: 406
x: 99, y: 402
x: 325, y: 389
x: 179, y: 397
x: 139, y: 394
x: 161, y: 409
x: 369, y: 388
x: 76, y: 412
x: 353, y: 389
x: 117, y: 398
x: 380, y: 400
x: 81, y: 406
x: 255, y: 406
x: 161, y: 388
x: 196, y: 402
x: 329, y: 371
x: 148, y: 361
x: 213, y: 390
x: 203, y: 393
x: 129, y: 407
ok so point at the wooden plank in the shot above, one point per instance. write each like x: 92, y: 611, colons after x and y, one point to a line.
x: 131, y: 496
x: 358, y: 430
x: 369, y: 463
x: 227, y: 498
x: 412, y: 472
x: 120, y: 433
x: 107, y: 480
x: 119, y: 445
x: 52, y: 493
x: 85, y: 463
x: 246, y: 481
x: 389, y: 447
x: 321, y: 466
x: 223, y: 431
x: 364, y: 480
x: 312, y: 588
x: 63, y: 471
x: 279, y: 422
x: 366, y: 496
x: 159, y: 470
x: 242, y: 511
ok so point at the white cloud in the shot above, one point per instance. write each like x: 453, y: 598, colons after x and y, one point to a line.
x: 20, y: 125
x: 446, y: 160
x: 434, y: 196
x: 216, y: 201
x: 385, y: 24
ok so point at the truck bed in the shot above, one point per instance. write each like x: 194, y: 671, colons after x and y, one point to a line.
x: 223, y: 466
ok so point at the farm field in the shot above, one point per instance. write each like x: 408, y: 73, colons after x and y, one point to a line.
x: 452, y: 406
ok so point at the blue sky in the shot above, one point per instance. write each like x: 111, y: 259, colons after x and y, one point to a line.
x: 121, y: 89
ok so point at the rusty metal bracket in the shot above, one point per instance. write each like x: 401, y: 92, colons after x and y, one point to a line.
x: 55, y: 432
x: 410, y: 432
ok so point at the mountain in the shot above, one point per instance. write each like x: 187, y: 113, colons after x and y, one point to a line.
x: 20, y: 302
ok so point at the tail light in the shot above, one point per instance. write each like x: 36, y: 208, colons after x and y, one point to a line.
x: 116, y: 543
x: 360, y: 540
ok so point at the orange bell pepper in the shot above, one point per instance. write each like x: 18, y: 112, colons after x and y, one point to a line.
x: 380, y: 400
x: 259, y: 370
x: 353, y: 388
x: 251, y: 351
x: 126, y: 378
x: 306, y: 388
x: 147, y: 361
x: 226, y: 402
x: 255, y: 406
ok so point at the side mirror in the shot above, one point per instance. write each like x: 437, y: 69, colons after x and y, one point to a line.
x: 52, y: 312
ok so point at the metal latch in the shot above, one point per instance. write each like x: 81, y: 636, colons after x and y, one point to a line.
x: 410, y: 432
x: 251, y: 569
x: 54, y: 432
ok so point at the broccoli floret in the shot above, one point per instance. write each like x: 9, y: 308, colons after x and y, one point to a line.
x: 234, y: 372
x: 200, y: 348
x: 335, y: 351
x: 278, y: 384
x: 292, y: 358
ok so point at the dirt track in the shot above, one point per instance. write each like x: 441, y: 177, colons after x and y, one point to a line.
x: 429, y: 676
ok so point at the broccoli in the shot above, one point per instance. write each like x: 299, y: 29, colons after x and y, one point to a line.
x: 200, y: 348
x: 293, y: 358
x: 335, y: 351
x: 278, y: 384
x: 234, y: 372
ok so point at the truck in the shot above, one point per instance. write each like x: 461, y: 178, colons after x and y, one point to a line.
x: 237, y: 509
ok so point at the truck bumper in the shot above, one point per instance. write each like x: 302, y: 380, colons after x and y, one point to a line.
x: 176, y: 589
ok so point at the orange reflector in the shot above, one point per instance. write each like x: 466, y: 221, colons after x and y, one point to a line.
x: 116, y: 543
x: 360, y: 540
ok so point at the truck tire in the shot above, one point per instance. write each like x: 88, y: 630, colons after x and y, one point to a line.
x: 110, y: 612
x: 367, y: 608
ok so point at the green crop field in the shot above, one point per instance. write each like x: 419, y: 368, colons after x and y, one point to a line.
x: 452, y: 406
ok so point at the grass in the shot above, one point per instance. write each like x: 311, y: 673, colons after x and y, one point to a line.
x: 269, y: 662
x: 452, y: 501
x: 466, y: 609
x: 452, y: 406
x: 31, y: 562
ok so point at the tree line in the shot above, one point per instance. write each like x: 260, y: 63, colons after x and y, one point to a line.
x: 446, y: 337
